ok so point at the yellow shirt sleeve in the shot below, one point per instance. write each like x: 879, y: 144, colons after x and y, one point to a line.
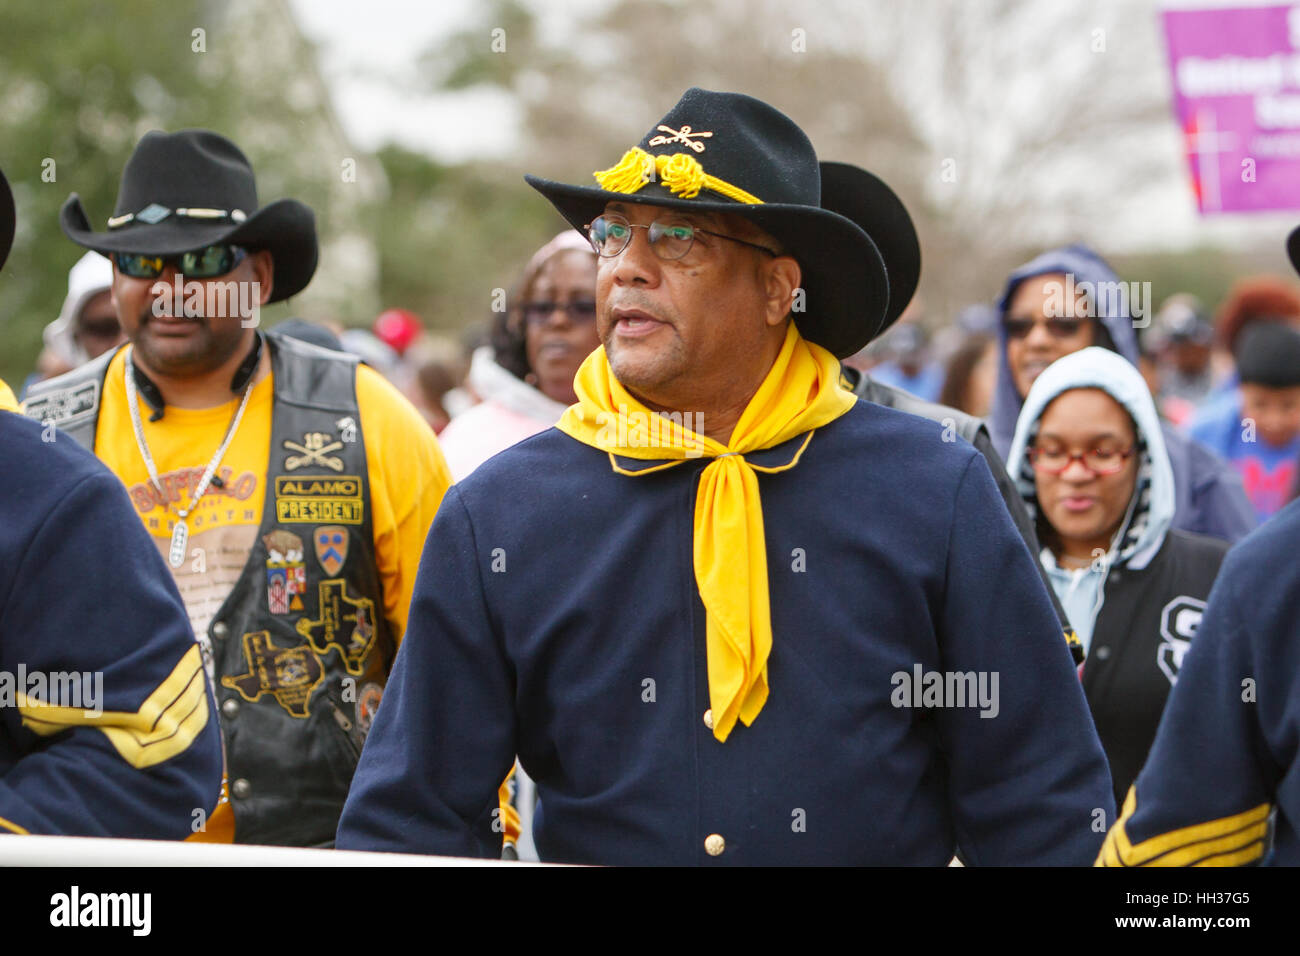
x: 408, y: 477
x: 511, y: 824
x: 7, y: 401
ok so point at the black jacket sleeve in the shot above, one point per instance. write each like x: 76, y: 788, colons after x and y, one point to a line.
x: 1011, y: 497
x: 974, y: 431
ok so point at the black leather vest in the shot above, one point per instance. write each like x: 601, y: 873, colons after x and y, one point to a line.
x: 301, y: 647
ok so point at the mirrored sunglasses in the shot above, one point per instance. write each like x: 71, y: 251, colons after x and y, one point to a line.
x: 206, y: 263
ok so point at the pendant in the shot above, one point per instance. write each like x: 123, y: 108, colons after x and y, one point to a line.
x: 180, y: 536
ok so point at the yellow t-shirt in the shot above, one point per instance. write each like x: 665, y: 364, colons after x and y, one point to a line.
x: 408, y: 477
x: 8, y: 402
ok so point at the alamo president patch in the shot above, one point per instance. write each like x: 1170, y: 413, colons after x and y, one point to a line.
x: 332, y: 500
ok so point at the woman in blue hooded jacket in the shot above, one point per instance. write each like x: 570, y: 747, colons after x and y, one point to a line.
x: 1089, y: 458
x: 1208, y: 494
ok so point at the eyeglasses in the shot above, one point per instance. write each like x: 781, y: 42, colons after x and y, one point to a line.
x: 610, y: 235
x: 1099, y: 461
x: 206, y: 263
x: 539, y: 313
x: 107, y: 328
x: 1058, y: 328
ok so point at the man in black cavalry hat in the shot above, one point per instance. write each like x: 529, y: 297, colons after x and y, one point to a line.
x: 289, y: 489
x: 736, y: 616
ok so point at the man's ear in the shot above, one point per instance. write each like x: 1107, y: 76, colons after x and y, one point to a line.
x: 263, y: 273
x: 781, y: 284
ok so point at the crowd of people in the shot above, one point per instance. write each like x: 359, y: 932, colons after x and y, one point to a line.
x: 710, y: 547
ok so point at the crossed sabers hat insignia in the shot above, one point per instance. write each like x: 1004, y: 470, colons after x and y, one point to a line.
x: 682, y: 135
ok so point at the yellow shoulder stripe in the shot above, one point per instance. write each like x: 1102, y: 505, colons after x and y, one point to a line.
x: 164, y: 726
x: 1227, y: 841
x: 13, y: 827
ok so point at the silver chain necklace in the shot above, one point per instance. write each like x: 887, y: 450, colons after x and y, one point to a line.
x: 181, y: 533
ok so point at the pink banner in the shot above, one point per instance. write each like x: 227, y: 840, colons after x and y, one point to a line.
x: 1236, y: 78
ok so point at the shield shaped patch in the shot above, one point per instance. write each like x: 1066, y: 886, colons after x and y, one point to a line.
x: 331, y: 547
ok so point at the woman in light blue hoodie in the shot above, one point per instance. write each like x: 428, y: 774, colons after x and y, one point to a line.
x: 1089, y: 458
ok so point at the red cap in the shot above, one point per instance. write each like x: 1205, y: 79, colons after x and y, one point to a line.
x: 397, y: 328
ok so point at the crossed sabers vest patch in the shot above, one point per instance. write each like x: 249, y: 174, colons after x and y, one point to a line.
x: 292, y: 674
x: 314, y: 450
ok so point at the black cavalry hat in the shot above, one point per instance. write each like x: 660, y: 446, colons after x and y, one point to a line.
x: 194, y: 188
x: 863, y: 197
x: 7, y: 218
x: 730, y: 153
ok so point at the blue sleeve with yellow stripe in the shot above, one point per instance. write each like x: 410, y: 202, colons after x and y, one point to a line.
x: 107, y: 726
x: 1223, y: 769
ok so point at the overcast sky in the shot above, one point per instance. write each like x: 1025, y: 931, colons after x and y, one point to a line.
x: 368, y: 62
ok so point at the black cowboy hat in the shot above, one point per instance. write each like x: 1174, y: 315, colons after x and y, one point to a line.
x: 194, y: 188
x: 731, y: 153
x: 1293, y: 248
x: 863, y: 197
x: 7, y: 219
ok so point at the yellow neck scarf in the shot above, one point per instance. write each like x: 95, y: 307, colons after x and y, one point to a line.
x: 800, y: 393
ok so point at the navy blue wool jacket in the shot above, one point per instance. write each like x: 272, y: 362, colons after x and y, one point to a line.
x: 556, y: 616
x: 1225, y: 765
x: 83, y: 591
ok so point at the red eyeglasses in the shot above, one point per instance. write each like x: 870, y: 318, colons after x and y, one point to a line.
x: 1099, y: 461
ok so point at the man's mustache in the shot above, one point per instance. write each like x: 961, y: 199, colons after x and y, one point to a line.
x: 640, y: 303
x: 165, y: 310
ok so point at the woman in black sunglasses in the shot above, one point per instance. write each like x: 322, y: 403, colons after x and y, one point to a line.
x: 1068, y: 299
x: 525, y: 376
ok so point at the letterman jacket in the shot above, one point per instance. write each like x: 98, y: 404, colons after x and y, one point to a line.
x: 1138, y: 607
x: 289, y: 687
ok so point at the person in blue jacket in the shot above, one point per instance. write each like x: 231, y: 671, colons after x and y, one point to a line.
x: 1221, y: 786
x: 1095, y: 310
x: 107, y: 726
x: 732, y: 614
x: 1260, y: 433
